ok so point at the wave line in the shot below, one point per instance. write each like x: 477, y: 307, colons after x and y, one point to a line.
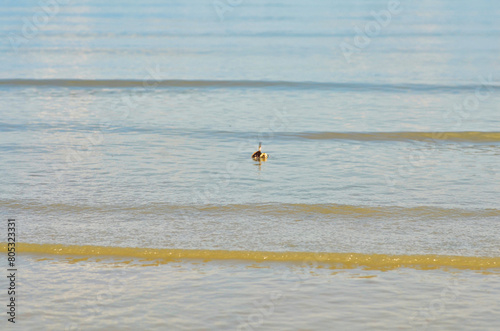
x: 305, y: 85
x: 338, y: 260
x: 460, y: 136
x: 270, y: 209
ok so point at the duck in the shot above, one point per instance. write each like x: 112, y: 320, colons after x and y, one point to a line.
x: 259, y: 156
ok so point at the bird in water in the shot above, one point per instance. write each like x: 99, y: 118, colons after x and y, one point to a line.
x: 259, y: 156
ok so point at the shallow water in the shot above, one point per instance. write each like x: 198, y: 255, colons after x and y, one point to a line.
x: 130, y: 126
x: 240, y: 295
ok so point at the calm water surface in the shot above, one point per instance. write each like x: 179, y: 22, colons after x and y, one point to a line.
x: 132, y: 125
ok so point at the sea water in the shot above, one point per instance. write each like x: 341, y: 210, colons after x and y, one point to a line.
x: 126, y: 133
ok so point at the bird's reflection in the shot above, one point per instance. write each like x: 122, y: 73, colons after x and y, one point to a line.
x: 259, y: 163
